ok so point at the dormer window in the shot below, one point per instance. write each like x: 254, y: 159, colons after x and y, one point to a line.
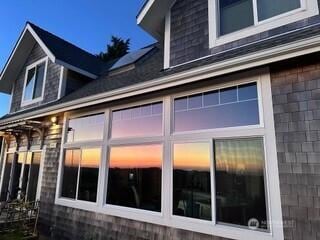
x: 232, y: 20
x: 34, y: 82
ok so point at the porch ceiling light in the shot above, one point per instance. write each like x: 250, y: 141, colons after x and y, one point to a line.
x: 54, y: 120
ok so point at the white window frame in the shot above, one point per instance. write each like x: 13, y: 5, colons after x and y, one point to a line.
x: 265, y: 130
x: 16, y: 155
x: 31, y: 66
x: 308, y: 8
x: 80, y: 145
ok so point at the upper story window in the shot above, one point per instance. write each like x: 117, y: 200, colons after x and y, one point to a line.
x: 34, y: 82
x: 235, y: 19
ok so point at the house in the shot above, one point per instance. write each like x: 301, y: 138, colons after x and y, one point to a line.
x: 212, y: 133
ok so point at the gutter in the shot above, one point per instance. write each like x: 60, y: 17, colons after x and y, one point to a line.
x: 261, y: 58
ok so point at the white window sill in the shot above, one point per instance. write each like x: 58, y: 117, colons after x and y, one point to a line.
x: 30, y: 102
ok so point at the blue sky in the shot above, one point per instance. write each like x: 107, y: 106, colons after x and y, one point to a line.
x: 87, y: 24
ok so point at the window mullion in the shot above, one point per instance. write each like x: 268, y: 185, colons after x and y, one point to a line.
x: 213, y: 183
x: 78, y: 179
x: 104, y: 163
x: 167, y: 166
x: 34, y: 82
x: 255, y: 12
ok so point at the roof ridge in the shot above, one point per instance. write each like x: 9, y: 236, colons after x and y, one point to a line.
x: 66, y: 41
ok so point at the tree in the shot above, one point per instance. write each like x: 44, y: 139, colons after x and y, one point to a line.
x: 116, y: 49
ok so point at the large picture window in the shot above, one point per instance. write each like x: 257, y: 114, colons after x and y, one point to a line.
x: 135, y: 170
x: 240, y: 184
x: 197, y: 160
x: 192, y: 180
x: 135, y: 177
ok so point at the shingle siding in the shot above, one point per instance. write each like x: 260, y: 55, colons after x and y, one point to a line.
x: 295, y: 88
x: 190, y: 32
x: 52, y: 81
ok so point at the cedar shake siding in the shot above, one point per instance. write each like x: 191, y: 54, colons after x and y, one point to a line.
x: 51, y: 86
x: 296, y: 101
x: 189, y: 38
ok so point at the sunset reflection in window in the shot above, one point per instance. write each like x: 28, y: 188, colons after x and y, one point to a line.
x: 89, y: 173
x: 86, y: 128
x: 240, y: 183
x: 191, y: 180
x: 135, y: 177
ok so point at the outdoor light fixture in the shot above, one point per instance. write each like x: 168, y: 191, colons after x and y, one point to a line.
x: 54, y: 120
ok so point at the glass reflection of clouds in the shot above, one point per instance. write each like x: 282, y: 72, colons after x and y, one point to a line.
x: 145, y: 120
x: 229, y: 107
x: 240, y: 184
x: 86, y: 128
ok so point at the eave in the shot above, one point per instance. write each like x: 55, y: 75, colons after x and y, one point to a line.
x: 152, y: 17
x: 245, y: 62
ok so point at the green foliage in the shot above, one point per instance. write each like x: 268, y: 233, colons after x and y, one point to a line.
x: 116, y: 49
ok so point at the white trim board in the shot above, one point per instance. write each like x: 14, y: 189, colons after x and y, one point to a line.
x: 262, y: 58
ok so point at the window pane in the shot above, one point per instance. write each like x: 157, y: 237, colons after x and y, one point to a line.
x: 17, y: 174
x: 181, y: 104
x: 34, y: 174
x: 235, y: 15
x: 229, y: 107
x: 271, y: 8
x: 86, y: 128
x: 139, y: 121
x: 39, y: 80
x: 28, y: 91
x: 228, y: 95
x: 240, y: 186
x: 248, y: 91
x: 6, y: 177
x: 195, y: 101
x: 70, y: 173
x: 89, y: 173
x: 135, y: 177
x: 191, y: 180
x: 211, y: 98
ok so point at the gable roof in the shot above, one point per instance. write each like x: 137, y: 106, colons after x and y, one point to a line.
x: 58, y: 50
x: 67, y: 53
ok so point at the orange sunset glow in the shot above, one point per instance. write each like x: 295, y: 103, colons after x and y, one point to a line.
x: 136, y: 157
x: 90, y: 158
x: 193, y: 156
